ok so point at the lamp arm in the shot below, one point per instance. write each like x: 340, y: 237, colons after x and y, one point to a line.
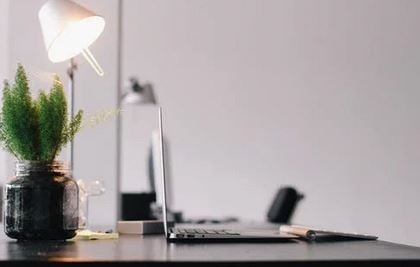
x: 92, y: 61
x: 71, y: 71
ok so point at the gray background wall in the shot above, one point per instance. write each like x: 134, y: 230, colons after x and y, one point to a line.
x: 4, y: 60
x: 257, y: 93
x: 322, y: 95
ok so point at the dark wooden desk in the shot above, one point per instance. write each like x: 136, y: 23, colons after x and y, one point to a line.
x: 154, y: 251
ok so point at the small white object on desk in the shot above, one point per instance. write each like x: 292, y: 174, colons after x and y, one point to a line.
x: 141, y: 227
x: 91, y: 235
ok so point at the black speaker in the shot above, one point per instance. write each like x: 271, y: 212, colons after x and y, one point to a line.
x: 283, y: 206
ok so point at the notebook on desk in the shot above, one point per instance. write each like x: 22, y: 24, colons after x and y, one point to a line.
x: 205, y: 234
x: 287, y: 232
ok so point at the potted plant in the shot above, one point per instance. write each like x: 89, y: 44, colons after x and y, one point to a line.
x: 41, y: 200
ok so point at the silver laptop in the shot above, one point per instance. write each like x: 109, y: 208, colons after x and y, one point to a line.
x: 195, y: 234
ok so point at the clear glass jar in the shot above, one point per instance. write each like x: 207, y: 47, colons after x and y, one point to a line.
x: 41, y: 202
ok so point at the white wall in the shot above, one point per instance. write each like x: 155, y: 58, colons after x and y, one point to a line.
x: 95, y: 148
x: 4, y: 32
x: 4, y: 60
x: 323, y: 95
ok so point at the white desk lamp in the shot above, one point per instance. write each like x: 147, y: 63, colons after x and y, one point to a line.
x: 68, y: 30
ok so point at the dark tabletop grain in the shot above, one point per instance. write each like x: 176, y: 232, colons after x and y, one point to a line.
x: 153, y: 250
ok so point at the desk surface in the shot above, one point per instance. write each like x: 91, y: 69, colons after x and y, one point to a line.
x: 153, y: 250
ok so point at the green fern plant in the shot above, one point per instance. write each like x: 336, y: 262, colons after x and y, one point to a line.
x: 35, y: 129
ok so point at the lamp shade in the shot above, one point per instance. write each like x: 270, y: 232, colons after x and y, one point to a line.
x: 68, y: 28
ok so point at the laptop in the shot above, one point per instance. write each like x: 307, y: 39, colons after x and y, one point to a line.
x: 203, y: 234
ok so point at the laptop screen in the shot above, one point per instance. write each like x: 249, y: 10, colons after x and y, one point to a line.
x: 162, y: 172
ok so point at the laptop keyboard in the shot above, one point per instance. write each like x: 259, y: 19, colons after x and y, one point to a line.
x: 203, y: 231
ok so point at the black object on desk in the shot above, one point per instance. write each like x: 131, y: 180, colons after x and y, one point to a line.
x: 152, y: 250
x: 137, y: 206
x: 283, y: 205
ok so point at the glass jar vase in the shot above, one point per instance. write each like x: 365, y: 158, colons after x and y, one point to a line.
x: 41, y: 202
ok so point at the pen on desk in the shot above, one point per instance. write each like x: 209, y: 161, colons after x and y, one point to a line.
x: 298, y: 231
x: 311, y: 234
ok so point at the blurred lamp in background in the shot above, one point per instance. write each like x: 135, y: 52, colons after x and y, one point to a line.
x: 139, y: 94
x: 137, y: 160
x: 68, y: 30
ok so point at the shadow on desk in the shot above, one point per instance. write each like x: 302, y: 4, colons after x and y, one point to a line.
x: 40, y: 250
